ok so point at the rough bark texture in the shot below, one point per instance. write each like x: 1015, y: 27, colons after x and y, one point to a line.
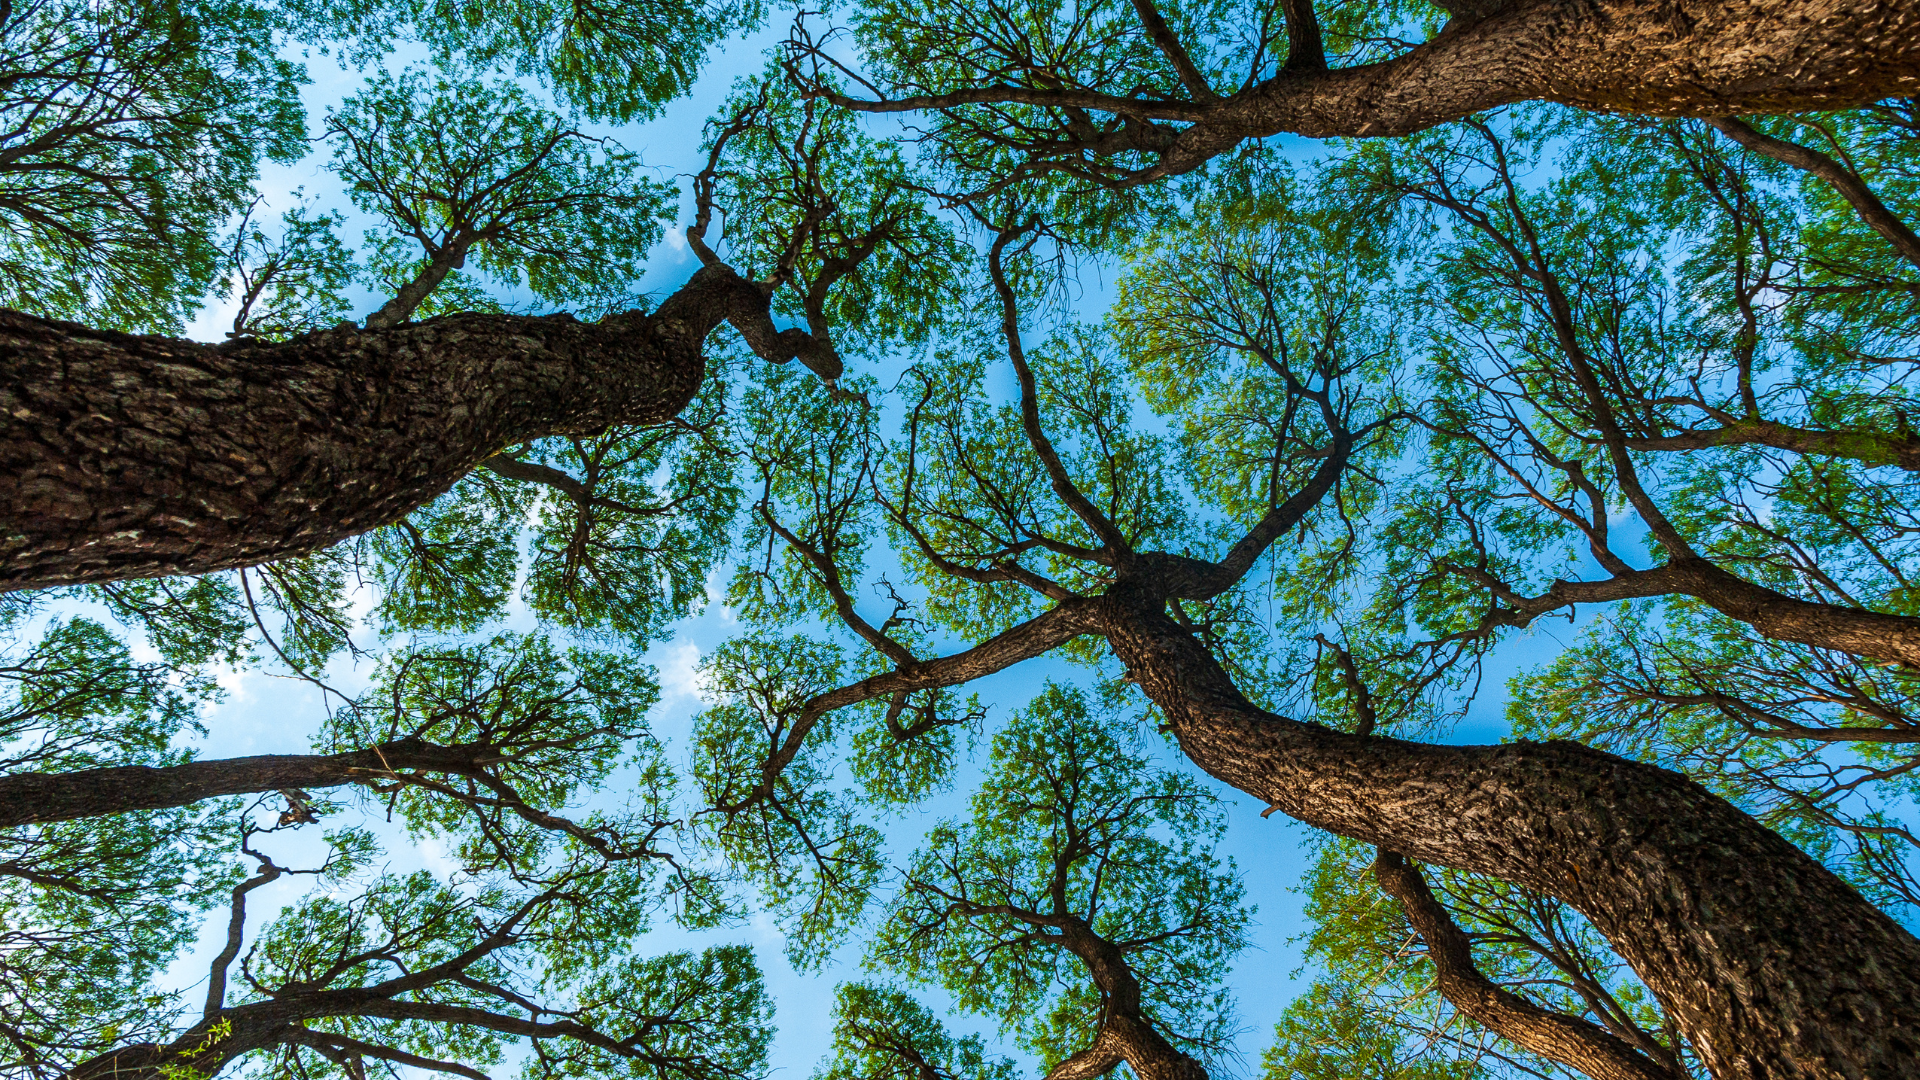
x: 1653, y: 57
x: 40, y: 798
x: 1569, y: 1040
x: 1773, y: 967
x: 124, y: 456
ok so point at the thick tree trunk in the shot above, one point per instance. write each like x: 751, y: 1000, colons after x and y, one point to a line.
x: 41, y: 798
x: 125, y: 456
x: 1772, y: 966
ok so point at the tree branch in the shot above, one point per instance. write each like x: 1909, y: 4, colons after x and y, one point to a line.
x: 1567, y: 1040
x: 1843, y: 180
x: 41, y: 798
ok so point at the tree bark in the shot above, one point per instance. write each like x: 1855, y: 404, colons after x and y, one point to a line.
x: 125, y: 456
x: 1651, y: 57
x: 1125, y: 1032
x: 1773, y: 966
x: 42, y: 798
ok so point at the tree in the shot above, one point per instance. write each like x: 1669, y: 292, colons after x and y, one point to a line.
x: 1061, y: 859
x: 969, y: 500
x: 290, y: 284
x: 1411, y: 401
x: 1124, y: 95
x: 244, y: 464
x: 408, y: 967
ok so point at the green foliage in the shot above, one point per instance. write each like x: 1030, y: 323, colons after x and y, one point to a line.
x: 133, y: 130
x: 679, y: 1016
x: 288, y: 284
x: 841, y: 216
x: 880, y: 1033
x: 449, y: 567
x: 1374, y: 1009
x: 938, y: 46
x: 1445, y: 293
x: 1327, y: 1035
x: 77, y: 699
x: 478, y: 170
x: 191, y: 622
x: 95, y: 909
x: 561, y: 721
x: 394, y: 262
x: 636, y: 553
x: 802, y: 845
x: 965, y: 490
x: 1073, y: 831
x: 814, y: 455
x: 1688, y: 689
x: 619, y: 62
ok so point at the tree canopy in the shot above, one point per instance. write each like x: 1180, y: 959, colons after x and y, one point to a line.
x: 1133, y: 457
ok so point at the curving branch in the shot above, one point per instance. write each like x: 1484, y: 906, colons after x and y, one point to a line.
x: 1649, y: 57
x: 1036, y: 637
x: 1566, y: 1040
x: 1168, y: 43
x: 341, y: 1047
x: 1872, y: 448
x: 1843, y: 180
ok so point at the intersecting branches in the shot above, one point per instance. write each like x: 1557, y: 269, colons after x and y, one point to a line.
x: 1566, y: 375
x: 357, y: 981
x: 825, y: 221
x: 1119, y: 95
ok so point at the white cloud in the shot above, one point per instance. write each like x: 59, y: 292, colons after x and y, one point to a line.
x: 679, y: 664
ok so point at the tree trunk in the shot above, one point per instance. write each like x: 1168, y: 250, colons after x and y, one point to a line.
x: 414, y: 293
x: 1125, y: 1032
x: 41, y: 798
x: 1773, y: 966
x: 125, y: 456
